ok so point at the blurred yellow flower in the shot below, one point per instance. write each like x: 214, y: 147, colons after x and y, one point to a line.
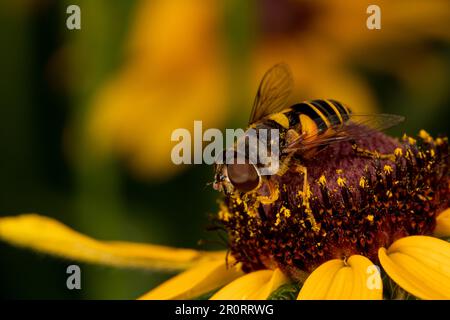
x: 174, y: 75
x: 323, y: 40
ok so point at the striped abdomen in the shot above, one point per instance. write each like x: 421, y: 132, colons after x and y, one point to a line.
x: 314, y: 116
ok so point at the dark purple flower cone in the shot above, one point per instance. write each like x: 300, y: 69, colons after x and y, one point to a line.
x: 357, y: 203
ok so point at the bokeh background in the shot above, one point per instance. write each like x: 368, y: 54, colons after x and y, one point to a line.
x: 86, y: 115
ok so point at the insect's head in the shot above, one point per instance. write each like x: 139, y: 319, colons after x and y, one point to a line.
x: 234, y: 175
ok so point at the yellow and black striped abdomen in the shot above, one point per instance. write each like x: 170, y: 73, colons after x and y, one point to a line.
x: 317, y: 115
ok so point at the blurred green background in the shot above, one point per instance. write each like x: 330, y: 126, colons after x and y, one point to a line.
x: 86, y: 115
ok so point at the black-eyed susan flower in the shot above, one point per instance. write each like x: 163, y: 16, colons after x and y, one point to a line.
x: 364, y: 213
x: 370, y: 229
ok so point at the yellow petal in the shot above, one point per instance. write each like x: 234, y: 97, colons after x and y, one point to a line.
x: 278, y: 279
x: 420, y: 265
x: 358, y: 279
x: 50, y: 236
x: 256, y: 285
x: 201, y: 279
x: 443, y: 224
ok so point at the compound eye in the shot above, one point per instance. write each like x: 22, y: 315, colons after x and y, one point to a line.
x: 244, y: 177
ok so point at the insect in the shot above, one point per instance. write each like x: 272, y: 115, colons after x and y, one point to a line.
x: 305, y: 129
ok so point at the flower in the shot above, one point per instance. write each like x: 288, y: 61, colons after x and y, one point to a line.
x: 206, y: 270
x: 327, y: 44
x: 373, y: 203
x: 368, y: 227
x: 172, y: 75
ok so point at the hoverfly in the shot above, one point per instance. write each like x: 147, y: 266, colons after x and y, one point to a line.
x: 305, y: 129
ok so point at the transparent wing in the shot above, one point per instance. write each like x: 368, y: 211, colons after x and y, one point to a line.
x: 357, y: 126
x: 273, y: 92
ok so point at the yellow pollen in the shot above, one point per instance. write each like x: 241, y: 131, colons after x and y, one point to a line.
x: 322, y: 180
x: 425, y: 136
x: 238, y: 198
x: 315, y: 226
x: 285, y: 211
x: 224, y: 214
x: 370, y: 217
x: 398, y: 152
x: 339, y: 171
x: 278, y: 221
x: 251, y: 213
x: 432, y: 153
x: 305, y: 195
x: 439, y: 141
x: 388, y: 169
x: 341, y: 182
x: 411, y: 140
x: 408, y: 154
x: 362, y: 182
x: 389, y: 194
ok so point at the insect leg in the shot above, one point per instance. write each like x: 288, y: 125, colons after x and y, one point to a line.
x: 372, y: 154
x: 306, y: 194
x: 284, y: 167
x: 274, y: 193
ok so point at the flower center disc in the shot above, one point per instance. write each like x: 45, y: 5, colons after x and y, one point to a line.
x: 355, y: 204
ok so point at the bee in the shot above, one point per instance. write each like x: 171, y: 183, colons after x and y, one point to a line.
x: 305, y: 129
